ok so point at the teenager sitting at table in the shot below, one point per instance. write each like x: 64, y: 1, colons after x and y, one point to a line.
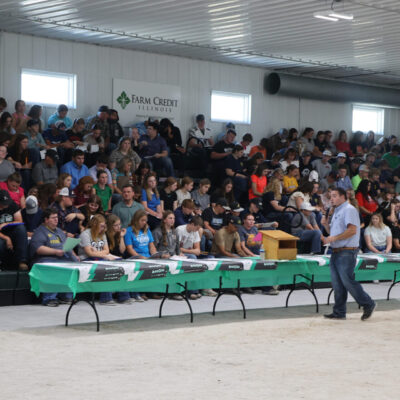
x: 46, y: 245
x: 378, y: 236
x: 165, y: 237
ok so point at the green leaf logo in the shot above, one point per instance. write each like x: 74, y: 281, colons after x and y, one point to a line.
x: 123, y: 100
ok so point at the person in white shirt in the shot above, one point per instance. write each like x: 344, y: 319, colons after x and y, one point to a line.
x: 189, y: 238
x: 378, y: 236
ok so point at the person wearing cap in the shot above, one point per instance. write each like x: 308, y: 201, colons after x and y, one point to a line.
x: 256, y: 210
x: 341, y: 159
x: 392, y: 157
x: 305, y: 227
x: 343, y: 181
x: 363, y: 173
x: 184, y: 213
x: 344, y: 239
x: 13, y: 236
x: 213, y: 216
x: 46, y: 171
x: 127, y: 207
x: 154, y: 148
x: 76, y: 167
x: 69, y: 216
x: 60, y: 115
x: 226, y: 241
x: 6, y: 167
x: 236, y: 208
x: 229, y: 125
x: 56, y: 138
x: 32, y: 213
x: 322, y: 166
x: 101, y: 119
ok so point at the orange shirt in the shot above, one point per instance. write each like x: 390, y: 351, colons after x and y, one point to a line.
x: 258, y: 149
x: 261, y: 184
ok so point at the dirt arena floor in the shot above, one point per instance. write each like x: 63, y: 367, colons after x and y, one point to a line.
x: 278, y: 353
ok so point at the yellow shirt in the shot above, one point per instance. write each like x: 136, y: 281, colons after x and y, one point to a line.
x: 290, y: 183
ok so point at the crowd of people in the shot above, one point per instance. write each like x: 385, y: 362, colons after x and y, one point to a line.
x: 132, y: 194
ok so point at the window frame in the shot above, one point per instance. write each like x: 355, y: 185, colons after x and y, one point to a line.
x: 72, y: 100
x: 369, y: 107
x: 247, y: 98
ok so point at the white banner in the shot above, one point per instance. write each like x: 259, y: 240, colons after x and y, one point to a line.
x: 137, y: 101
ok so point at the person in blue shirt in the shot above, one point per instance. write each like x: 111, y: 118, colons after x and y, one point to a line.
x: 60, y: 115
x: 184, y: 213
x: 56, y: 138
x: 151, y: 200
x: 76, y: 168
x: 153, y: 148
x: 138, y: 238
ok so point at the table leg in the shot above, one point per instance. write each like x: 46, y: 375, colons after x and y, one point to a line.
x: 91, y: 303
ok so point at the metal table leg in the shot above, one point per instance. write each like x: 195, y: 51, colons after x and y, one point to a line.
x: 91, y: 303
x: 184, y: 295
x: 395, y: 282
x: 237, y: 294
x: 309, y: 287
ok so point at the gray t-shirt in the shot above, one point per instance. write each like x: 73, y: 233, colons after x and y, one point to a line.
x: 125, y: 213
x: 172, y: 245
x: 322, y: 169
x: 87, y: 240
x: 6, y: 169
x: 304, y: 222
x: 202, y: 199
x: 43, y: 173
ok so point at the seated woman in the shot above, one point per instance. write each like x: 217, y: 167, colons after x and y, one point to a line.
x: 14, y: 189
x: 95, y: 144
x: 18, y: 155
x: 143, y: 170
x: 184, y: 190
x: 103, y: 190
x: 151, y: 200
x: 64, y: 180
x: 168, y: 197
x: 378, y: 236
x: 47, y: 195
x: 91, y: 208
x: 225, y: 191
x: 124, y: 176
x: 84, y: 190
x: 290, y: 182
x: 258, y: 181
x: 289, y: 158
x: 365, y: 201
x: 125, y: 150
x: 138, y: 238
x: 302, y: 194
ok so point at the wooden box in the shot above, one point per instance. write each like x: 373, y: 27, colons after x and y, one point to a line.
x: 279, y: 245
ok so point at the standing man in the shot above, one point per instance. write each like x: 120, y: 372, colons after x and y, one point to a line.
x: 344, y: 238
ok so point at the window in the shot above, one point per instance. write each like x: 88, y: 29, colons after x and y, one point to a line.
x: 368, y: 118
x: 48, y: 88
x: 231, y: 107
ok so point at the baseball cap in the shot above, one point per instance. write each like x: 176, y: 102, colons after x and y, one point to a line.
x: 257, y: 202
x: 233, y: 220
x: 327, y: 153
x: 52, y: 154
x: 103, y: 109
x: 66, y: 192
x: 222, y: 202
x: 5, y: 199
x: 313, y: 176
x: 60, y: 125
x: 343, y: 155
x: 32, y: 122
x: 230, y: 125
x: 31, y: 205
x: 364, y: 168
x: 235, y: 206
x: 62, y: 107
x: 307, y: 206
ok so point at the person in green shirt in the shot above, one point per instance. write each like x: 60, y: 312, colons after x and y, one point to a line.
x: 103, y: 190
x: 127, y: 208
x: 393, y: 157
x: 363, y: 172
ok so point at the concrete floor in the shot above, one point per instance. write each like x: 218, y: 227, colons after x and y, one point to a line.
x: 36, y: 316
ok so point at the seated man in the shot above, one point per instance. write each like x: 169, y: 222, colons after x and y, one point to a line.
x: 305, y: 227
x: 13, y: 236
x: 255, y: 209
x: 154, y: 149
x: 226, y: 241
x: 46, y: 171
x: 127, y: 208
x: 60, y: 115
x: 56, y: 138
x: 76, y: 168
x: 46, y: 246
x: 343, y: 180
x: 233, y: 166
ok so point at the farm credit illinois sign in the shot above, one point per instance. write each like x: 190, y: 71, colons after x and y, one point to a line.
x: 137, y: 101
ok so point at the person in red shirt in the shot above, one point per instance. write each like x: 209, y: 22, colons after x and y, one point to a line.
x: 342, y: 145
x: 261, y: 148
x: 258, y: 182
x: 365, y: 201
x: 14, y: 189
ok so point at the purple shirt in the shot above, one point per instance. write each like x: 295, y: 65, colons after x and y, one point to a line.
x: 157, y: 145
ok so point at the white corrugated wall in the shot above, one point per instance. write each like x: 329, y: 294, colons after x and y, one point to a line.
x: 96, y: 66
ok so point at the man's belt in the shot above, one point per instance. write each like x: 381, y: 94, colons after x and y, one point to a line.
x: 337, y: 249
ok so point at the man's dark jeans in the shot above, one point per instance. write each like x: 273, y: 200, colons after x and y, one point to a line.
x: 18, y: 236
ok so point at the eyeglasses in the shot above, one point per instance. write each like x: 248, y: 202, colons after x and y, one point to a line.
x: 116, y: 225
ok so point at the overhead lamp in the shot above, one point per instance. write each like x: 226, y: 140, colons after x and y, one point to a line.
x: 347, y: 17
x: 332, y: 15
x: 325, y: 15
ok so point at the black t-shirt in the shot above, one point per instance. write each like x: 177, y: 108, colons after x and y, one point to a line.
x: 216, y: 221
x: 168, y: 199
x: 266, y: 199
x: 7, y: 214
x: 321, y: 145
x: 222, y: 147
x: 74, y: 136
x: 234, y: 164
x: 305, y: 169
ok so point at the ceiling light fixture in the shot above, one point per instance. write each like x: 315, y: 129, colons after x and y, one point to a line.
x: 333, y: 15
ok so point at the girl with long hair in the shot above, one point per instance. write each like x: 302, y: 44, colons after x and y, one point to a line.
x: 184, y: 190
x: 18, y: 154
x: 6, y: 123
x: 258, y: 182
x: 64, y: 180
x: 35, y: 113
x: 168, y: 197
x: 378, y: 236
x: 289, y: 158
x: 142, y: 171
x: 124, y: 175
x: 342, y: 145
x: 165, y: 237
x: 125, y: 150
x: 365, y: 200
x: 302, y: 194
x: 91, y: 208
x: 151, y: 200
x: 225, y: 191
x: 19, y: 118
x: 84, y: 190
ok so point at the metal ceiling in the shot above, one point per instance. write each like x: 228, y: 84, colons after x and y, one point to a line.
x: 280, y: 35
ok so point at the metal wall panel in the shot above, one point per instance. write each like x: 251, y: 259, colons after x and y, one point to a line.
x: 96, y: 66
